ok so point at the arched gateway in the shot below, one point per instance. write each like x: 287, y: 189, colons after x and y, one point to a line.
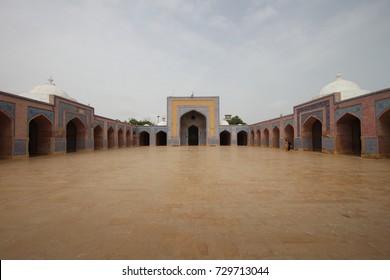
x: 193, y: 129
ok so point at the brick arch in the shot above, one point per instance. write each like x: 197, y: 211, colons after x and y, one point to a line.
x: 6, y: 135
x: 266, y: 137
x: 348, y: 135
x: 120, y: 138
x: 128, y: 138
x: 275, y: 137
x: 258, y: 132
x: 225, y: 138
x: 110, y: 138
x: 242, y: 138
x: 98, y: 137
x: 383, y: 131
x: 75, y: 135
x: 40, y: 133
x: 312, y: 134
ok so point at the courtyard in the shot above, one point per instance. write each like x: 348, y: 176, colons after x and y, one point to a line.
x: 195, y: 202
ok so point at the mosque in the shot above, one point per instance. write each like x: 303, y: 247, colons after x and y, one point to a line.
x: 341, y: 119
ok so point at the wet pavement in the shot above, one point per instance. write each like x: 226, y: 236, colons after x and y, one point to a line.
x: 195, y: 203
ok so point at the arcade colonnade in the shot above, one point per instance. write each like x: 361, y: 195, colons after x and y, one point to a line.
x: 357, y: 126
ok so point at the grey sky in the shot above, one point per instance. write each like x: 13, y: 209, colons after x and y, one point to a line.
x: 261, y: 57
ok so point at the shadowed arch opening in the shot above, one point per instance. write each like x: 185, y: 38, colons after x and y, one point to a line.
x: 193, y: 128
x: 144, y: 138
x: 266, y: 137
x: 40, y: 135
x: 312, y: 134
x: 289, y: 134
x: 225, y: 138
x: 348, y: 135
x: 384, y: 134
x: 258, y: 132
x: 252, y: 141
x: 276, y: 137
x: 242, y: 138
x: 5, y: 136
x: 120, y: 138
x: 134, y: 138
x: 110, y: 138
x: 128, y: 138
x: 98, y: 137
x: 75, y: 135
x: 161, y: 138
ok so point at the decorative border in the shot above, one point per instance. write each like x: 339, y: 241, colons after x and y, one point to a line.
x: 20, y: 147
x: 110, y: 124
x: 324, y: 104
x: 381, y: 106
x: 33, y: 112
x: 100, y: 123
x: 355, y: 110
x: 288, y: 122
x: 70, y: 116
x: 9, y: 108
x: 59, y: 145
x: 276, y: 124
x: 371, y: 145
x: 318, y: 114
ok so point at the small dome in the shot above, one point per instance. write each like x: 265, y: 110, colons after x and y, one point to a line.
x: 162, y: 123
x: 346, y: 88
x: 42, y: 92
x: 223, y: 122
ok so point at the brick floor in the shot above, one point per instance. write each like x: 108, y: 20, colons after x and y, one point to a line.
x: 195, y: 203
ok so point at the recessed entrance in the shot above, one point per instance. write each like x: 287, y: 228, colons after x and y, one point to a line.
x: 144, y: 138
x: 98, y: 137
x: 110, y: 138
x: 40, y: 132
x: 161, y: 139
x: 312, y: 135
x: 193, y: 129
x: 242, y: 138
x: 348, y: 135
x: 5, y: 136
x: 224, y: 138
x: 193, y: 135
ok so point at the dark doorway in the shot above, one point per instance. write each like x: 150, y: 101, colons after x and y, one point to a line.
x: 71, y: 137
x: 224, y: 138
x: 110, y: 138
x: 317, y: 136
x: 384, y: 134
x: 5, y: 136
x: 193, y: 135
x: 348, y: 135
x: 98, y: 137
x: 120, y: 138
x: 128, y: 138
x: 242, y: 138
x: 144, y: 139
x: 161, y: 139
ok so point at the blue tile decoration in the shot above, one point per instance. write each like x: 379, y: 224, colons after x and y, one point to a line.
x: 355, y: 110
x: 317, y: 114
x: 20, y: 147
x: 307, y: 143
x: 33, y: 112
x: 381, y: 106
x: 111, y: 124
x: 105, y: 143
x: 289, y: 122
x: 80, y: 145
x: 276, y: 124
x: 69, y: 109
x: 89, y: 144
x: 298, y: 143
x: 100, y: 123
x: 60, y: 145
x: 70, y: 116
x: 324, y: 104
x: 8, y: 108
x: 328, y: 143
x: 370, y: 145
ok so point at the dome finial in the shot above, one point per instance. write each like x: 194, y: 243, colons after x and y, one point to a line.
x: 338, y: 75
x: 51, y: 81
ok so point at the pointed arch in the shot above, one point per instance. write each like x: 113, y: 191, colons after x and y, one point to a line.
x: 275, y: 137
x: 110, y: 138
x: 161, y: 138
x: 128, y: 138
x: 224, y: 138
x: 384, y: 133
x: 40, y: 133
x: 75, y: 135
x: 266, y: 137
x: 98, y: 137
x: 312, y: 134
x: 258, y: 132
x: 252, y: 140
x: 120, y: 138
x: 6, y: 139
x: 348, y: 135
x: 242, y: 138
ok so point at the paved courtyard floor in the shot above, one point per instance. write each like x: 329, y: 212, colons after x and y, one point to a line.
x: 195, y: 203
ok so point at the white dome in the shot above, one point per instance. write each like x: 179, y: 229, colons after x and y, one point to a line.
x: 162, y: 123
x: 42, y: 92
x: 223, y: 122
x: 346, y: 88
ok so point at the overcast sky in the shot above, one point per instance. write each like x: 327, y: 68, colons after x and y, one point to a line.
x: 261, y: 58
